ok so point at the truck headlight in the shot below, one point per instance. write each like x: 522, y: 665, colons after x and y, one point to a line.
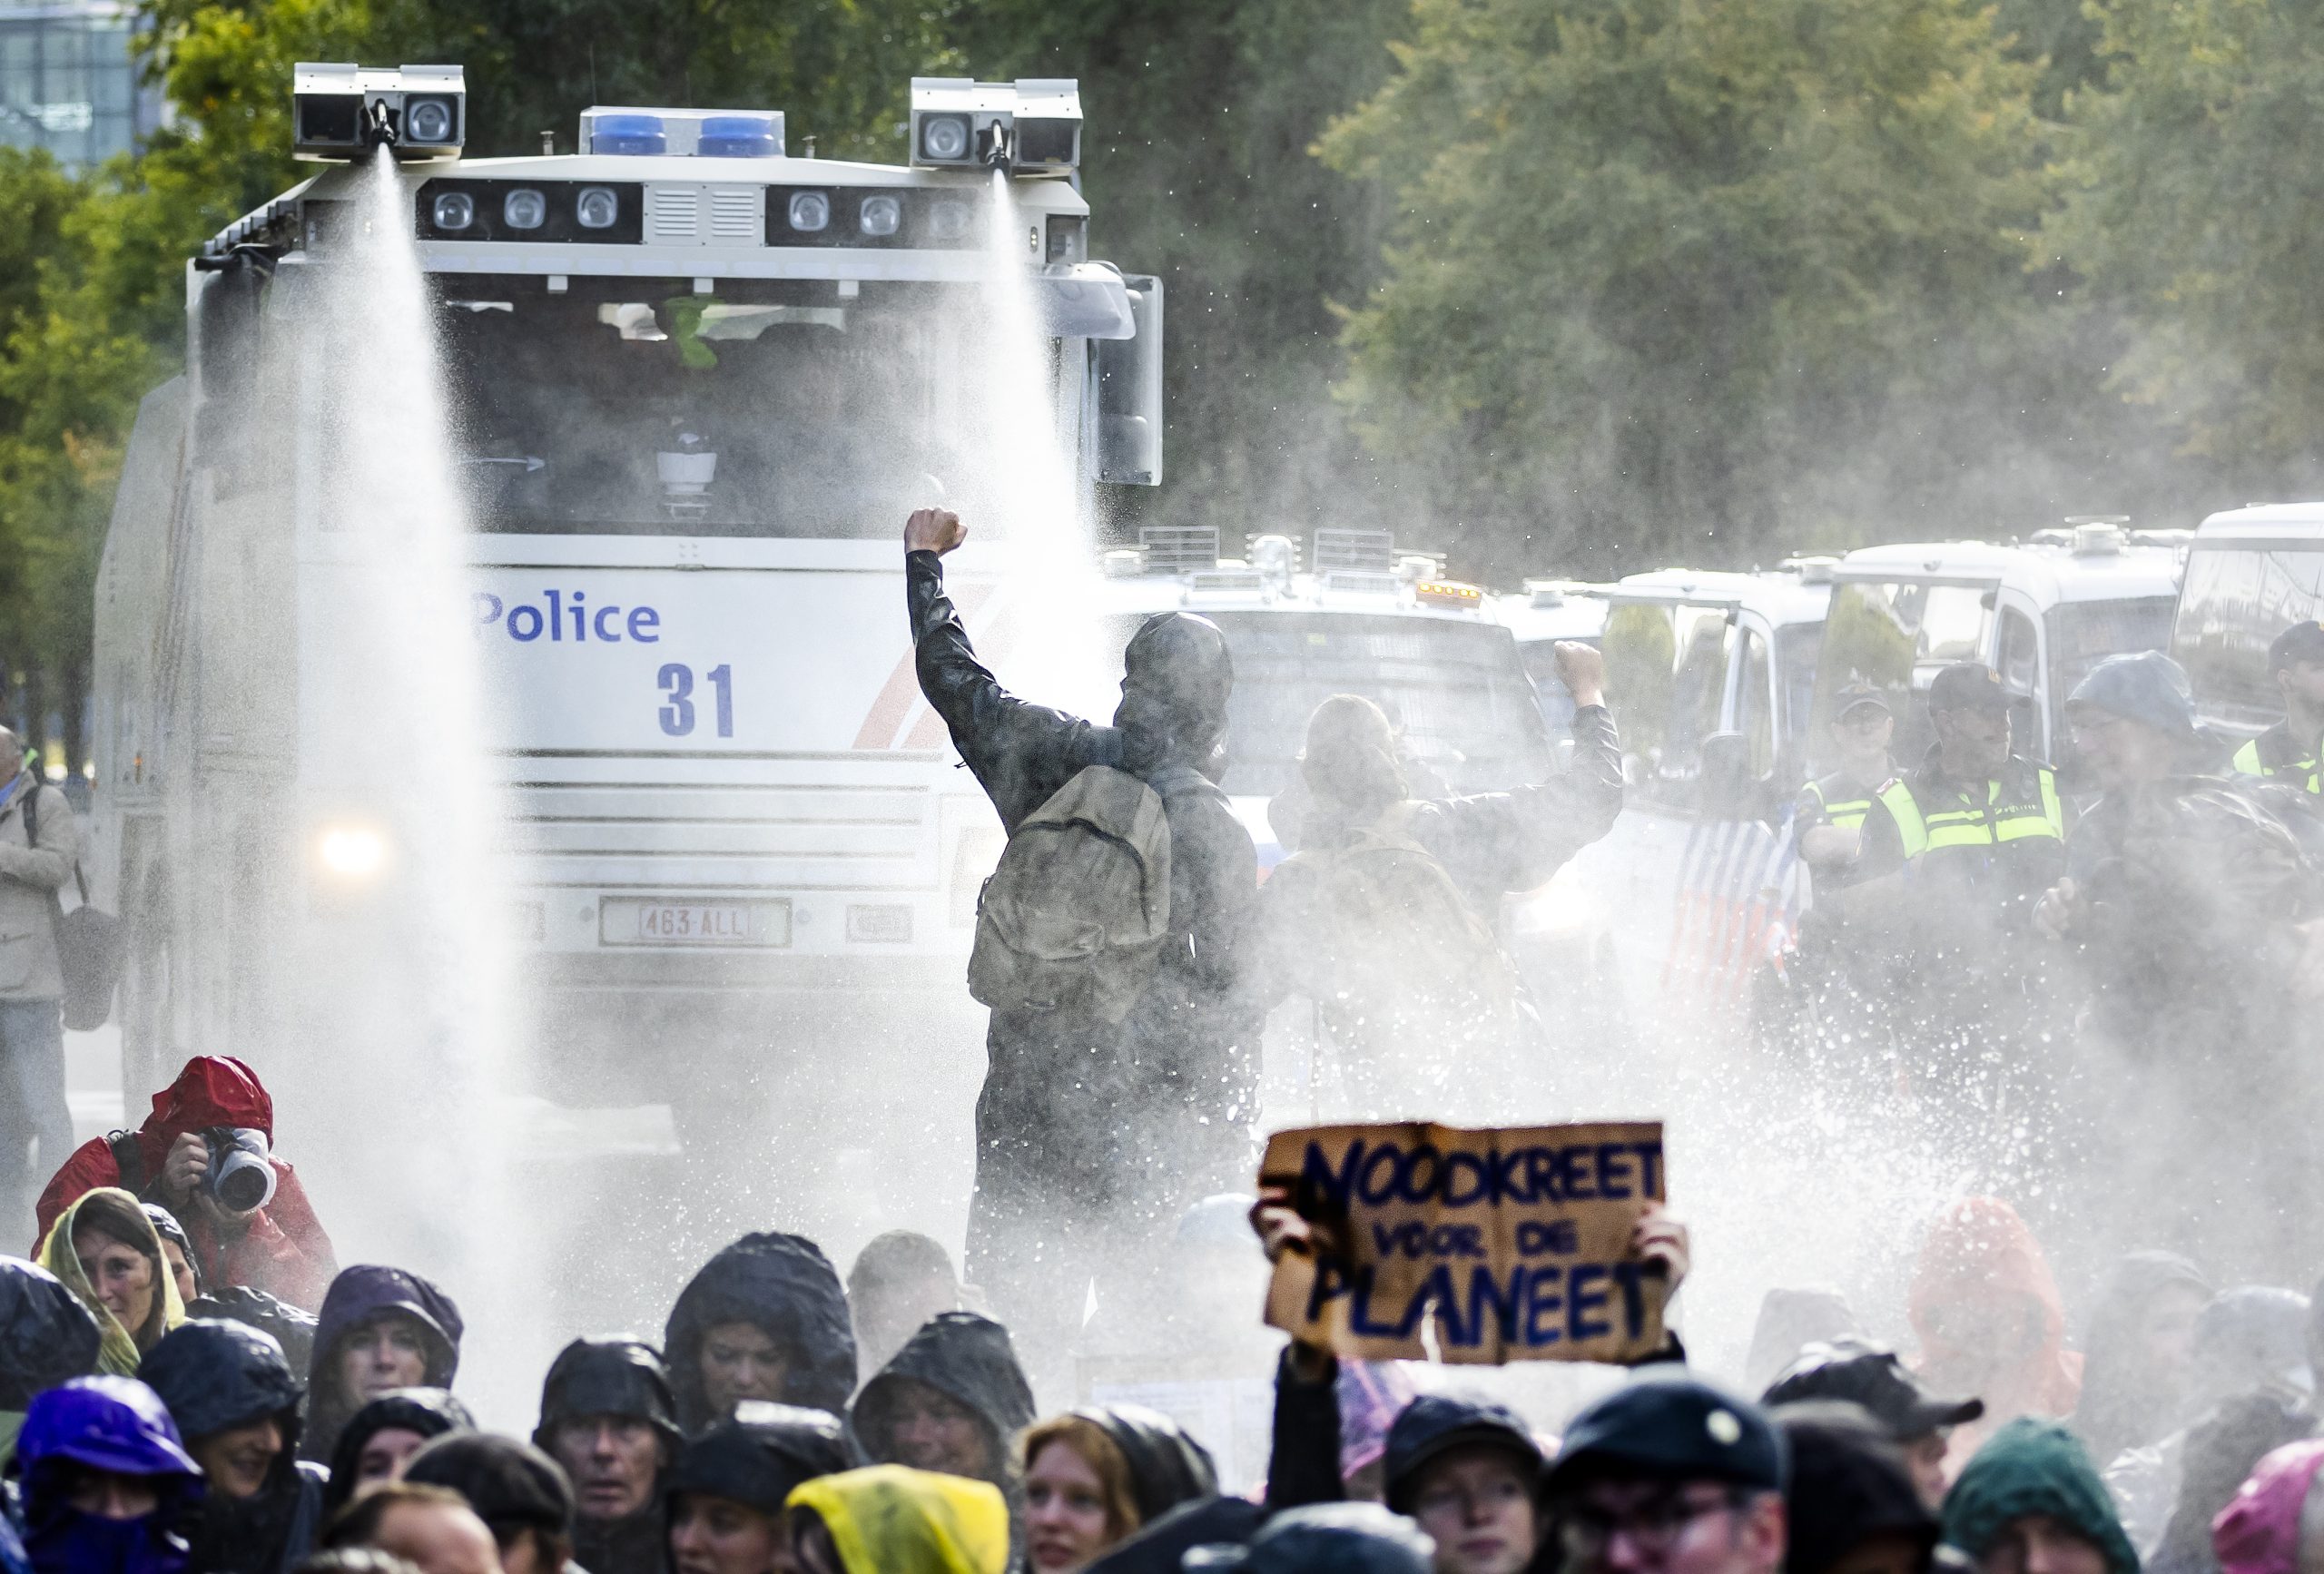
x: 811, y: 211
x: 525, y: 209
x: 948, y: 219
x: 352, y: 851
x: 428, y: 120
x: 944, y: 137
x: 454, y: 210
x: 596, y: 208
x: 881, y: 215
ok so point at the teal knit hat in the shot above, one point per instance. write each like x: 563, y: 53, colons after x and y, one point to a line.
x: 2034, y: 1467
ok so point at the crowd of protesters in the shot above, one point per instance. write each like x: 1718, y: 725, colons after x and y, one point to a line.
x: 190, y: 1384
x: 778, y: 1424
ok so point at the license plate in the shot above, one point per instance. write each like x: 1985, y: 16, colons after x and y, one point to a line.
x: 630, y: 920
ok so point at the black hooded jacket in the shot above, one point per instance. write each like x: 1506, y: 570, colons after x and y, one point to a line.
x: 215, y: 1375
x: 967, y: 1357
x: 1201, y: 997
x: 428, y: 1411
x: 47, y: 1337
x: 784, y: 1286
x: 612, y: 1377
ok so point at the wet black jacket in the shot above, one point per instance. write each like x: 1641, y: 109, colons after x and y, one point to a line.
x: 428, y: 1411
x: 613, y: 1376
x: 784, y: 1286
x: 1160, y: 1547
x: 964, y: 1356
x: 1200, y: 1000
x: 215, y: 1375
x: 47, y: 1337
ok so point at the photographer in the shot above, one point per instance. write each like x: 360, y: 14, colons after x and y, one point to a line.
x: 206, y: 1153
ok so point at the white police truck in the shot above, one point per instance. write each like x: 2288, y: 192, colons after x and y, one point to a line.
x: 2252, y: 572
x: 696, y: 383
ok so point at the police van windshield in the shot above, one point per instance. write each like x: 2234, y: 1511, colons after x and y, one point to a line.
x: 2235, y: 600
x: 1457, y: 693
x: 1895, y: 635
x: 635, y: 408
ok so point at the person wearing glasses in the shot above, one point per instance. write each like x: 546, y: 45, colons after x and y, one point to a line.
x: 1670, y: 1474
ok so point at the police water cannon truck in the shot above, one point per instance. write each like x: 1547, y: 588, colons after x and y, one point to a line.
x: 695, y: 384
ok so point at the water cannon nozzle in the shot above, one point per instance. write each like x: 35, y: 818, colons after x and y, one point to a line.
x: 992, y: 145
x: 379, y: 124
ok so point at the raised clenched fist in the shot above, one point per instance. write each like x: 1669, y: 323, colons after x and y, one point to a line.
x: 937, y: 530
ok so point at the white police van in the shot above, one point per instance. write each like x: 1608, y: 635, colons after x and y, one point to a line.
x: 675, y: 361
x: 2041, y: 612
x: 2252, y: 572
x: 1708, y: 674
x: 1545, y: 611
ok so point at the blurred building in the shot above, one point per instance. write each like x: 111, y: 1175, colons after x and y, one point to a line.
x: 69, y: 83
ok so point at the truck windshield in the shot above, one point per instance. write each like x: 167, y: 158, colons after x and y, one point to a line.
x: 2235, y: 600
x: 666, y: 413
x: 1456, y: 691
x: 2084, y: 633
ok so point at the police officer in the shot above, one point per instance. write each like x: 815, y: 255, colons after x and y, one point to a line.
x: 1984, y: 831
x: 1982, y: 826
x: 1830, y: 814
x: 1842, y: 959
x: 2288, y: 751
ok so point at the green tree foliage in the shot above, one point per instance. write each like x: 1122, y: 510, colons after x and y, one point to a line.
x: 1200, y: 118
x: 1663, y: 270
x: 2193, y: 184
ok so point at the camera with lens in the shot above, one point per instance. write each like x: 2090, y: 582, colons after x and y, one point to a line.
x: 240, y: 1179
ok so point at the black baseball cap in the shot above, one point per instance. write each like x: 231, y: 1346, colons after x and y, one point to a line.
x: 1860, y: 693
x: 1968, y: 686
x: 2302, y: 642
x: 1668, y: 1422
x: 1870, y: 1375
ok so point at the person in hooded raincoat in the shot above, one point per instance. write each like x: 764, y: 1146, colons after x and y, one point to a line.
x: 47, y: 1337
x: 236, y: 1405
x: 1092, y: 1135
x: 382, y: 1328
x: 2250, y: 1343
x: 607, y: 1417
x: 951, y: 1400
x: 2135, y: 1353
x: 2269, y: 1529
x: 728, y: 1491
x: 1095, y: 1476
x: 107, y: 1481
x: 280, y: 1247
x: 1386, y: 913
x: 105, y: 1251
x: 1986, y: 1312
x: 887, y: 1520
x: 764, y: 1319
x: 380, y: 1440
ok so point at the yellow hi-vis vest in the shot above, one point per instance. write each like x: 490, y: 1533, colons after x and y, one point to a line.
x: 1967, y: 826
x: 2305, y: 774
x: 1847, y: 816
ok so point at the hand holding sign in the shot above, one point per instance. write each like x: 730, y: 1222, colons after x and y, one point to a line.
x: 1544, y: 1243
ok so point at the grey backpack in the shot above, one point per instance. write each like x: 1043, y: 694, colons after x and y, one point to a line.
x: 1077, y: 911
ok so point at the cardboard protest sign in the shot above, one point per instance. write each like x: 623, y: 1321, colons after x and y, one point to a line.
x: 1502, y: 1246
